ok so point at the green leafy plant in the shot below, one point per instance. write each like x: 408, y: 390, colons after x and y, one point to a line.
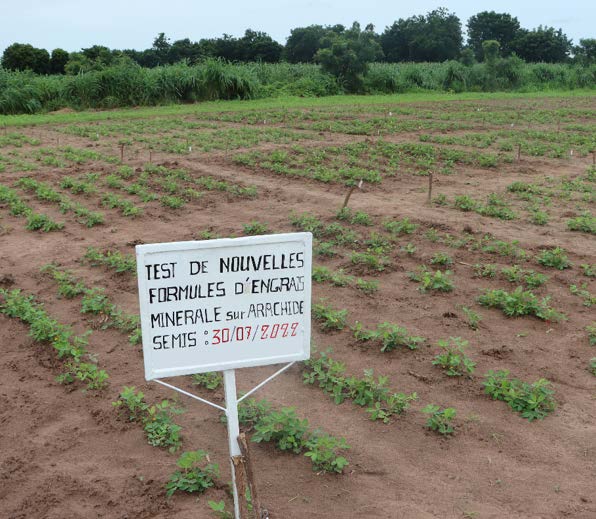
x: 439, y: 281
x: 441, y: 258
x: 453, y: 359
x: 555, y: 258
x: 520, y: 302
x: 324, y: 452
x: 157, y: 422
x: 42, y: 222
x: 532, y: 401
x: 196, y: 473
x: 210, y: 380
x: 255, y: 228
x: 367, y: 287
x: 390, y: 336
x: 538, y: 217
x: 370, y: 260
x: 354, y: 217
x: 397, y: 227
x: 85, y: 372
x: 584, y: 223
x: 121, y: 263
x: 592, y: 366
x: 284, y: 428
x: 485, y: 270
x: 368, y: 392
x: 516, y: 274
x: 409, y: 248
x: 589, y: 270
x: 219, y: 507
x: 582, y: 291
x: 591, y: 329
x: 439, y: 420
x: 328, y: 318
x: 473, y: 318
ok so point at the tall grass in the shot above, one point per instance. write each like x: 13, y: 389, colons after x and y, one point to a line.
x: 126, y: 85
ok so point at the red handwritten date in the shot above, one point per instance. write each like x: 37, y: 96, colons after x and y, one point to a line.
x: 260, y: 332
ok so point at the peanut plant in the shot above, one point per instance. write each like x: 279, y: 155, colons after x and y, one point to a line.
x: 157, y: 419
x: 532, y: 401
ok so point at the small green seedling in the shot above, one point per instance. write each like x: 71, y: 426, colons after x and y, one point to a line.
x: 439, y: 420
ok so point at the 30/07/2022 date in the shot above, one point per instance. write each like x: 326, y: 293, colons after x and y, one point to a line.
x: 260, y: 332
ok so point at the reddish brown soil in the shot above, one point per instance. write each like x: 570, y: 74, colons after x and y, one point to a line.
x: 64, y: 453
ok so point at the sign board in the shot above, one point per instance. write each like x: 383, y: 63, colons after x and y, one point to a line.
x: 224, y: 304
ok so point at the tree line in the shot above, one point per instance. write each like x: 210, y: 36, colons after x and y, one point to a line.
x: 343, y: 51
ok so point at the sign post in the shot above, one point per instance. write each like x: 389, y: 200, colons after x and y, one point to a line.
x: 221, y: 305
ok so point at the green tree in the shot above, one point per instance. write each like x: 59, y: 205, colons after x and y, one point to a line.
x: 490, y: 50
x: 585, y: 52
x: 489, y: 25
x: 259, y: 46
x: 434, y: 37
x: 161, y: 48
x: 542, y: 44
x: 303, y: 43
x: 184, y: 50
x: 22, y: 56
x: 58, y: 61
x: 346, y: 55
x: 466, y: 56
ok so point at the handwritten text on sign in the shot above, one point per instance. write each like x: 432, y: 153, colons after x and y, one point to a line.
x: 224, y: 304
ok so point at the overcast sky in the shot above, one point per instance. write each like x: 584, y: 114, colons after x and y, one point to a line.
x: 73, y: 24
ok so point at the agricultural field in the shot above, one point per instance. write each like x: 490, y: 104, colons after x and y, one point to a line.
x: 453, y: 372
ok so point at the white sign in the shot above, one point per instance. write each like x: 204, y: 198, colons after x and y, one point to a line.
x: 224, y: 304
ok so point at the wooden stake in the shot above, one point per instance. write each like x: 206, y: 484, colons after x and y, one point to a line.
x: 430, y: 187
x: 240, y: 473
x: 518, y: 152
x: 349, y: 194
x: 259, y: 512
x: 122, y: 153
x: 150, y: 157
x: 347, y: 198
